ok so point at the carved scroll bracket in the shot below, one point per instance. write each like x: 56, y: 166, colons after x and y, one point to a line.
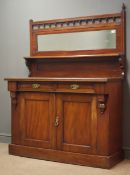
x: 102, y: 103
x: 13, y: 96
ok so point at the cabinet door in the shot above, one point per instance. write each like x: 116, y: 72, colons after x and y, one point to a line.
x: 36, y: 117
x: 77, y: 129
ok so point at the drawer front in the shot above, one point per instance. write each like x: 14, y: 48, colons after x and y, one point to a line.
x: 72, y: 87
x: 76, y: 87
x: 36, y: 86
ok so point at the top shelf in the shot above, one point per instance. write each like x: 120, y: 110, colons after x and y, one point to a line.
x: 73, y: 56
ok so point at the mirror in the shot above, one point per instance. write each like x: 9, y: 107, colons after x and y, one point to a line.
x: 87, y: 40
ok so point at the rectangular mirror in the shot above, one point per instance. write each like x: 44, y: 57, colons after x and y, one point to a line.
x: 87, y: 40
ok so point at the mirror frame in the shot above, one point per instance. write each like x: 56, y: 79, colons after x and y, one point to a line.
x: 79, y: 24
x: 88, y: 40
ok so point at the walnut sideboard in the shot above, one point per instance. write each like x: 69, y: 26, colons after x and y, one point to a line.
x: 69, y: 109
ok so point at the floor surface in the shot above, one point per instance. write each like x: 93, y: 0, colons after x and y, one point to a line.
x: 14, y: 165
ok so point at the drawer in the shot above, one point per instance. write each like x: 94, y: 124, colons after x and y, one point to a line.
x: 76, y: 87
x: 36, y: 86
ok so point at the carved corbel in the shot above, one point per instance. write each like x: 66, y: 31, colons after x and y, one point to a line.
x: 102, y: 100
x: 28, y: 64
x: 13, y: 96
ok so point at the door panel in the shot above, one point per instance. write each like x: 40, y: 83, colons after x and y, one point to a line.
x: 36, y: 109
x: 77, y: 130
x: 74, y: 132
x: 36, y: 119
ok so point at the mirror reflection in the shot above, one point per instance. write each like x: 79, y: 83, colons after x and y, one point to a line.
x: 88, y: 40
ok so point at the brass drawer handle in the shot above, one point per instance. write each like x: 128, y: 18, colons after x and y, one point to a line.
x: 35, y: 86
x: 74, y: 86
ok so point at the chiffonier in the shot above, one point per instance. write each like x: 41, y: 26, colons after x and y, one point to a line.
x: 69, y: 108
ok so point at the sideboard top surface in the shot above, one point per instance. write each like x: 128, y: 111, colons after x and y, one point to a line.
x: 47, y: 79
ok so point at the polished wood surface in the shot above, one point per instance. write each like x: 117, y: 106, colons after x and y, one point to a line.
x: 36, y: 111
x: 66, y: 157
x: 56, y: 79
x: 101, y: 67
x: 70, y: 107
x: 85, y: 121
x: 76, y: 133
x: 106, y: 55
x: 92, y: 23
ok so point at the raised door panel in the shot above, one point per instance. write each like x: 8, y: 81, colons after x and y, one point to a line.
x: 77, y: 130
x: 36, y: 118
